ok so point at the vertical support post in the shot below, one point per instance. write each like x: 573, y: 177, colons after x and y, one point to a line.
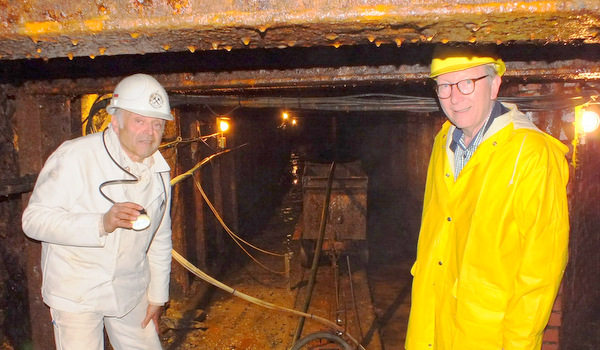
x: 228, y: 178
x: 288, y: 260
x: 179, y: 274
x: 200, y: 224
x: 225, y: 198
x: 218, y: 204
x: 42, y: 123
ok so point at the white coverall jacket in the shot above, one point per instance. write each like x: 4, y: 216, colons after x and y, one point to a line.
x: 82, y: 269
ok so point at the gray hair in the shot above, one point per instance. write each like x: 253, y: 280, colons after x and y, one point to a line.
x: 490, y: 70
x: 118, y: 116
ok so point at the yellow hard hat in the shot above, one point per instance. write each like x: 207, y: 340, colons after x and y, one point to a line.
x: 448, y: 59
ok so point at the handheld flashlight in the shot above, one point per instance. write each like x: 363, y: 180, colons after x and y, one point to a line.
x: 142, y: 222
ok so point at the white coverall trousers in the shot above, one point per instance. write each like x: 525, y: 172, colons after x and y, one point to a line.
x: 77, y: 331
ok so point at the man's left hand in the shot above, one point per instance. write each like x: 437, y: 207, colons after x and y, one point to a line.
x: 152, y: 314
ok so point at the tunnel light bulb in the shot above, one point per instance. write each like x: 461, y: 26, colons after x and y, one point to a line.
x: 294, y: 121
x: 589, y: 121
x: 223, y: 125
x: 285, y: 115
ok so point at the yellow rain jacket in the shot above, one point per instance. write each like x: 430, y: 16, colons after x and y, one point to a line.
x: 493, y: 243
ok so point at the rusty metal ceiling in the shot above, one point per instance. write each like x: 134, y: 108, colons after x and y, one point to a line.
x: 74, y: 28
x: 223, y: 45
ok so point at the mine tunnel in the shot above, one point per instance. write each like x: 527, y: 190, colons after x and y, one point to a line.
x: 308, y: 89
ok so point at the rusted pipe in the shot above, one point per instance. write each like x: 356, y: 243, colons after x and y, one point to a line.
x: 315, y: 264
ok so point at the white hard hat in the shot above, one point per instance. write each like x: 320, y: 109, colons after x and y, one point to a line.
x: 143, y: 95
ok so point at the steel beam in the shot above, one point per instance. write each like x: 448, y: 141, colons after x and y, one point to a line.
x: 305, y: 78
x: 76, y: 28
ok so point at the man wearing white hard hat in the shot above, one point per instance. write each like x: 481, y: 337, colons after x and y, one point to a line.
x: 494, y: 233
x: 101, y: 207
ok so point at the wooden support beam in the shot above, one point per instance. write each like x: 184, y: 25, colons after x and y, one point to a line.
x: 19, y: 185
x: 42, y: 123
x: 200, y: 229
x: 221, y: 251
x: 180, y: 279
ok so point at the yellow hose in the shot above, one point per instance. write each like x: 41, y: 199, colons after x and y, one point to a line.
x: 202, y: 275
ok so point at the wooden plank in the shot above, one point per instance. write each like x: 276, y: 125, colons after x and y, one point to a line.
x: 200, y: 229
x: 42, y: 123
x: 180, y: 282
x: 19, y: 185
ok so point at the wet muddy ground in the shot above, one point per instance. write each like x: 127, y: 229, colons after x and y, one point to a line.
x: 373, y: 309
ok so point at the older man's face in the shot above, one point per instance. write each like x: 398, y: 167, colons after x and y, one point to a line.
x: 139, y: 136
x: 468, y: 112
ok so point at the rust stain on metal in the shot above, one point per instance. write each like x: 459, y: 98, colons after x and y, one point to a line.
x: 116, y: 24
x: 265, y: 80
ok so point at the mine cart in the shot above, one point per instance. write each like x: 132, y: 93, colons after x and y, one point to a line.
x: 346, y: 227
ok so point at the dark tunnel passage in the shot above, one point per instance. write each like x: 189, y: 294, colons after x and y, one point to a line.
x: 370, y: 123
x: 308, y: 88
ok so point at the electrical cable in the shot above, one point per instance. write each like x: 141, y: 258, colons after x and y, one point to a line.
x: 143, y: 220
x: 198, y: 165
x: 201, y: 274
x: 235, y: 237
x: 180, y: 140
x: 223, y: 114
x: 371, y: 102
x: 220, y: 219
x: 356, y: 315
x: 315, y: 263
x: 322, y: 336
x: 98, y: 105
x: 365, y: 102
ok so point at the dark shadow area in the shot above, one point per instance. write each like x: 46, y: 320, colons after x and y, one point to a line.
x: 18, y: 71
x: 384, y: 319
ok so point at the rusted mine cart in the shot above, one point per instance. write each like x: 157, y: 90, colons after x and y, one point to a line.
x: 346, y: 227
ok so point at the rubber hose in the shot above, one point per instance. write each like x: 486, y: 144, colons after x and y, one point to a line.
x: 315, y: 264
x: 322, y: 335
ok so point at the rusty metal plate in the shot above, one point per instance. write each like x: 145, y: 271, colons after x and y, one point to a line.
x: 347, y: 218
x: 48, y: 29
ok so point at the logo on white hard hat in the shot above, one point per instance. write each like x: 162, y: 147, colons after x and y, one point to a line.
x: 156, y: 100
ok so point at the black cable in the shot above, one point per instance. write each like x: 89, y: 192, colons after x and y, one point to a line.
x: 315, y: 263
x: 322, y: 336
x: 131, y: 181
x: 99, y: 104
x: 373, y: 102
x: 116, y: 182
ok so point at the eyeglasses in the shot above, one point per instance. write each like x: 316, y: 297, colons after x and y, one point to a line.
x: 466, y: 87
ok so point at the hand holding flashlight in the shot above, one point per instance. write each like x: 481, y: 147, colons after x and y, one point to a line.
x: 127, y: 215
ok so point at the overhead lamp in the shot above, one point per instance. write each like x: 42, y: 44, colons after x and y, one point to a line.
x: 286, y: 119
x: 285, y: 116
x: 590, y: 120
x: 587, y: 118
x: 223, y: 124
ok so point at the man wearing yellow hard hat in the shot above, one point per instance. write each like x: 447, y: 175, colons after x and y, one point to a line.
x: 494, y: 234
